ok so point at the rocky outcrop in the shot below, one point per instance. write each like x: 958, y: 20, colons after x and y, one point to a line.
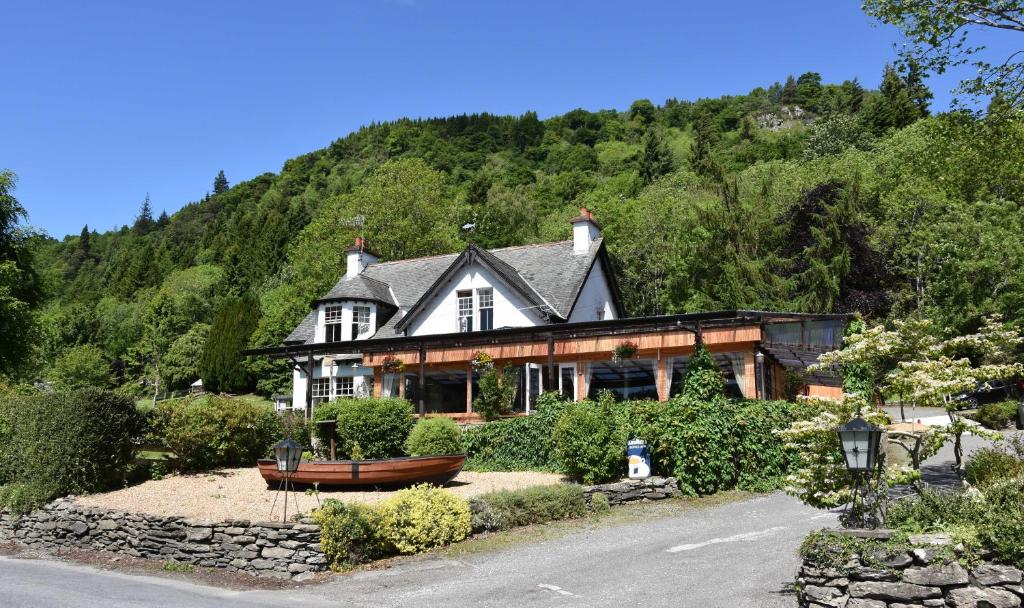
x: 281, y: 550
x: 632, y: 490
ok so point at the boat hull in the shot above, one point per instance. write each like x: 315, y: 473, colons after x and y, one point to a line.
x: 388, y: 472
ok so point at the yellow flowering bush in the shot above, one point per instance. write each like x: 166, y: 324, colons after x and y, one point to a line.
x: 421, y: 518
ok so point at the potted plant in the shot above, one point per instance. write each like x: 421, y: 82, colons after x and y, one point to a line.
x: 626, y: 350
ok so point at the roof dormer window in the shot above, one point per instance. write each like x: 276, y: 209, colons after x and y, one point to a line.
x: 360, y: 321
x: 485, y: 299
x: 465, y: 310
x: 332, y: 323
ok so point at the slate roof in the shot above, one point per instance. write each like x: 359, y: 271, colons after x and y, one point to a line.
x: 360, y: 287
x: 550, y: 270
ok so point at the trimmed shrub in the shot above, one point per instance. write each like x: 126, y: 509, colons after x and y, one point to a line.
x: 212, y: 431
x: 66, y: 443
x: 516, y: 444
x: 990, y: 465
x: 378, y: 427
x: 507, y: 509
x: 421, y: 518
x: 348, y: 533
x: 590, y: 442
x: 435, y: 437
x: 997, y: 416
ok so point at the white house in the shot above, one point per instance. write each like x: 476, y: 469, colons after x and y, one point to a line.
x: 552, y: 311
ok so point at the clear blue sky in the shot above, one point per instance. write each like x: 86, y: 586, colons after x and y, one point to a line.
x: 103, y: 102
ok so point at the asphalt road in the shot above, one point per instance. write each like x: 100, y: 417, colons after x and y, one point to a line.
x: 741, y: 554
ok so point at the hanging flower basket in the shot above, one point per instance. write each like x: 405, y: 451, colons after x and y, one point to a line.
x: 626, y: 350
x: 392, y: 365
x: 482, y: 362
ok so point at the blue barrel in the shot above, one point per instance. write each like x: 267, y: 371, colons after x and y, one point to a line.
x: 638, y: 457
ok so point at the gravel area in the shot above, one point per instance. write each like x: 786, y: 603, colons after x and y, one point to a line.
x: 242, y: 494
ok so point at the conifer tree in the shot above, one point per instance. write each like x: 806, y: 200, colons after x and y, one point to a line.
x: 789, y: 92
x: 655, y: 157
x: 221, y: 366
x: 856, y: 96
x: 220, y: 183
x: 144, y: 221
x: 917, y: 90
x: 163, y: 220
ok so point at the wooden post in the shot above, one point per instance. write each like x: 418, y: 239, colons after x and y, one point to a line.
x: 749, y: 379
x: 309, y: 386
x: 378, y: 381
x: 581, y: 380
x: 552, y: 373
x: 469, y: 390
x: 662, y: 381
x: 423, y: 381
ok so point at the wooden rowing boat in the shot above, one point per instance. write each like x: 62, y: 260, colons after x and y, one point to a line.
x: 387, y: 472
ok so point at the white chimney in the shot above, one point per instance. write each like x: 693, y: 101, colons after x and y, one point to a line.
x: 358, y: 258
x: 585, y: 230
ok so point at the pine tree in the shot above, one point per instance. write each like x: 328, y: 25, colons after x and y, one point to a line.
x: 808, y: 90
x: 163, y: 220
x: 144, y: 221
x: 856, y: 95
x: 221, y: 366
x: 917, y: 90
x: 655, y: 157
x: 220, y: 183
x: 704, y: 138
x: 789, y: 92
x: 79, y: 254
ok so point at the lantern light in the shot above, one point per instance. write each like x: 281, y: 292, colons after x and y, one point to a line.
x: 859, y: 441
x: 288, y: 453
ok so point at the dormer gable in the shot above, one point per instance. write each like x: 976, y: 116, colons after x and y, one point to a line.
x: 500, y: 276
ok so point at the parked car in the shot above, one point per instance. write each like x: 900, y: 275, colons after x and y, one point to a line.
x: 994, y: 392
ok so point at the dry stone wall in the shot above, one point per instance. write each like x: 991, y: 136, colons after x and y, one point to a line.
x: 281, y: 550
x: 632, y: 490
x: 904, y: 580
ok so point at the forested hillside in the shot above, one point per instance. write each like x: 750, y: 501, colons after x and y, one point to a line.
x: 800, y: 196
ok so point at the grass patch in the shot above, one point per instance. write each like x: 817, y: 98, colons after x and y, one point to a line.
x: 173, y: 566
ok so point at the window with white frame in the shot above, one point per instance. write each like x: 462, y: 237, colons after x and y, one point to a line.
x: 360, y: 320
x: 485, y: 300
x: 332, y: 323
x: 465, y: 308
x: 345, y: 387
x: 321, y: 390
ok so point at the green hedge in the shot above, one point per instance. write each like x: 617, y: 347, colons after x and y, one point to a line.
x: 516, y: 444
x: 213, y: 431
x: 590, y: 441
x: 507, y: 509
x: 435, y: 437
x: 65, y: 443
x: 368, y: 428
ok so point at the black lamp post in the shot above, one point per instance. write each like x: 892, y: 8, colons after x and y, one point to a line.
x: 859, y: 441
x: 288, y: 454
